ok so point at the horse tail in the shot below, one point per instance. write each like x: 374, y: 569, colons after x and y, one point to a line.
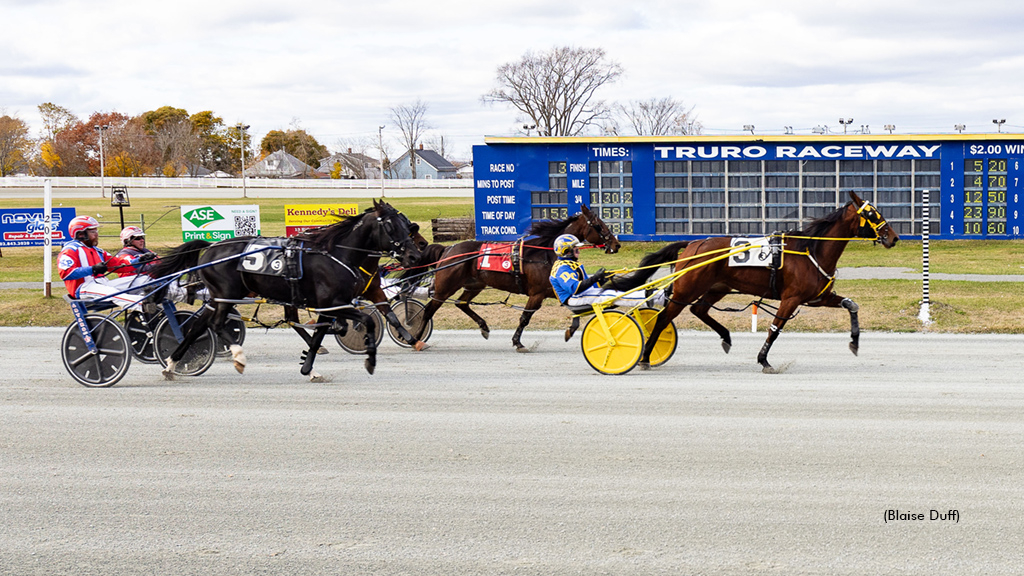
x: 181, y: 258
x: 648, y: 266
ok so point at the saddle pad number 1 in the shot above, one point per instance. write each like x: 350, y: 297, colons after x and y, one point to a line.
x: 495, y: 257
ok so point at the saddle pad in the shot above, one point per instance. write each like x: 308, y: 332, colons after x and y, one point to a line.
x: 495, y: 257
x: 758, y: 255
x: 269, y: 258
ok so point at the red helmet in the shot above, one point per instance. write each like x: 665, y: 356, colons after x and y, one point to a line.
x: 81, y: 223
x: 130, y: 233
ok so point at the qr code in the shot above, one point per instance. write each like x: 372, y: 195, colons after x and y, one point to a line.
x: 245, y: 226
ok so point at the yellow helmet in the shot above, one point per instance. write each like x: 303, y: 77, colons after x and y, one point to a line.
x: 565, y: 244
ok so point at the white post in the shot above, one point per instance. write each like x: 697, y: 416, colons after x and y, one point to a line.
x: 47, y: 236
x: 924, y: 316
x: 753, y: 319
x: 380, y: 147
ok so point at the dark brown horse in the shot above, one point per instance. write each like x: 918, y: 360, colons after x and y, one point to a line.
x: 806, y: 278
x: 457, y: 268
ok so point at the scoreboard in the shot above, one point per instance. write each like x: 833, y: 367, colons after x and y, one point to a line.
x: 676, y: 188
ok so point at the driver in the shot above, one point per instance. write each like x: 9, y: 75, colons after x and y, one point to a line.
x: 571, y: 283
x: 83, y: 266
x: 135, y: 257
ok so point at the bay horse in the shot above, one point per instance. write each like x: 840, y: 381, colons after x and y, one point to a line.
x: 330, y: 278
x: 457, y: 268
x: 806, y: 279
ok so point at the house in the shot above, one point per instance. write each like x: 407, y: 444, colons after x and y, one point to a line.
x: 429, y: 165
x: 351, y: 165
x: 280, y: 164
x: 464, y: 169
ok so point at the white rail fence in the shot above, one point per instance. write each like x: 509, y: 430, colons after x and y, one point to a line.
x: 214, y: 183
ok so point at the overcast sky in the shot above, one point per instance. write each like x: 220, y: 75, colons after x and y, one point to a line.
x: 336, y: 68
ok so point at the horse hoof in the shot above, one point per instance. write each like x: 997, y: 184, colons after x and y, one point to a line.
x: 521, y: 349
x: 168, y: 373
x: 726, y: 346
x: 370, y: 366
x: 854, y: 348
x: 767, y: 369
x: 322, y: 350
x: 486, y: 334
x: 238, y: 357
x: 568, y: 334
x: 314, y: 377
x: 420, y: 346
x: 644, y: 365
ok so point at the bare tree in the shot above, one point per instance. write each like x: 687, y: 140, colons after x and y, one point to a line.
x: 657, y: 117
x: 556, y: 90
x: 410, y: 119
x: 179, y: 146
x: 439, y: 143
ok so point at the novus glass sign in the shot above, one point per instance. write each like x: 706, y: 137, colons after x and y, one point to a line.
x: 649, y: 188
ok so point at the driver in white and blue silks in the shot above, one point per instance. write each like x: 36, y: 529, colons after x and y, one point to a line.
x: 573, y: 286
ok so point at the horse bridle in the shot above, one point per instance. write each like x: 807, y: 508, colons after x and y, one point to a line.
x: 869, y: 216
x: 386, y: 228
x: 604, y: 238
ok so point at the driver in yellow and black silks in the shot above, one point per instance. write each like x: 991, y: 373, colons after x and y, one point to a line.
x: 571, y: 283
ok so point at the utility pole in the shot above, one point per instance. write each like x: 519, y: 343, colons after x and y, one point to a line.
x: 241, y: 135
x: 380, y: 147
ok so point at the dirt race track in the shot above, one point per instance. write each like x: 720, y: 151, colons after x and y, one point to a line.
x: 471, y: 459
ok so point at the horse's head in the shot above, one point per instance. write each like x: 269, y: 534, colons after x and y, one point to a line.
x: 589, y: 227
x: 396, y: 234
x: 872, y: 224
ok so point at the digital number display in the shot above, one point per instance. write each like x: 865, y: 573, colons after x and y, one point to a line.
x: 984, y: 196
x: 611, y: 194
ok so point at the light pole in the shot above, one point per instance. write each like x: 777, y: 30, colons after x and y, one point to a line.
x: 749, y: 128
x: 100, y: 129
x: 999, y: 124
x: 959, y: 128
x: 845, y: 122
x: 380, y: 148
x: 890, y: 127
x: 241, y: 136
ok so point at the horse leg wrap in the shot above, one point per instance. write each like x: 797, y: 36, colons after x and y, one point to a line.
x: 572, y: 328
x: 854, y: 324
x: 238, y: 357
x: 762, y: 356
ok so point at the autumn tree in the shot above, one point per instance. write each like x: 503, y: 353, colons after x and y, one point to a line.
x: 15, y: 145
x: 296, y: 142
x: 556, y: 90
x: 655, y: 117
x: 232, y: 142
x: 411, y: 121
x: 56, y: 119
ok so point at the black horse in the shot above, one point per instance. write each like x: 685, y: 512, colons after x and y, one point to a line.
x: 330, y: 277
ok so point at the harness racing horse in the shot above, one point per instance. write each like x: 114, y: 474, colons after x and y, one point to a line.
x: 329, y: 282
x: 372, y: 291
x: 807, y: 278
x: 457, y: 268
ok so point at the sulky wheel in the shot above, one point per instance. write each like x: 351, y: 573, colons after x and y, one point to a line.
x: 113, y: 352
x: 140, y: 327
x: 410, y: 313
x: 665, y: 347
x: 200, y: 354
x: 354, y: 340
x: 617, y: 350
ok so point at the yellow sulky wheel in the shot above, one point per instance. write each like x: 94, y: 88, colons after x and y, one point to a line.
x: 665, y: 347
x: 617, y: 350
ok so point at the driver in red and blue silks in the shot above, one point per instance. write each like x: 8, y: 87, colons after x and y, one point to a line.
x: 83, y: 266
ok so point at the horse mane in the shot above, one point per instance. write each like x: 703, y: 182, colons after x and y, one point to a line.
x: 818, y: 228
x: 547, y: 230
x: 327, y: 236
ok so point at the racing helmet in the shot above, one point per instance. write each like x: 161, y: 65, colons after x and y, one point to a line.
x: 565, y: 244
x: 81, y: 224
x: 131, y: 233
